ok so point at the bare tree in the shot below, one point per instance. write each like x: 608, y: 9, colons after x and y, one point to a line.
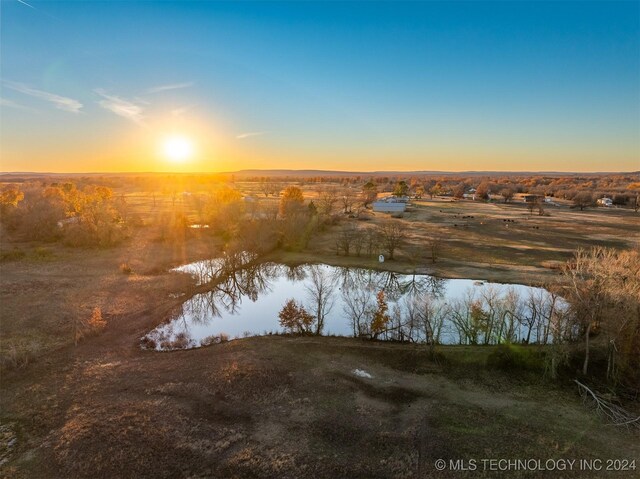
x: 533, y: 204
x: 511, y: 314
x: 349, y: 237
x: 586, y: 294
x: 265, y: 188
x: 392, y: 235
x: 507, y: 194
x: 431, y: 315
x: 604, y: 295
x: 558, y: 351
x: 327, y: 199
x: 357, y: 306
x: 320, y: 292
x: 460, y: 312
x: 459, y: 189
x: 491, y: 304
x: 371, y: 239
x: 347, y: 198
x: 268, y: 210
x: 411, y: 326
x: 583, y: 199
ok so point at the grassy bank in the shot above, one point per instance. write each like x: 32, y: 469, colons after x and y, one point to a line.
x: 291, y: 407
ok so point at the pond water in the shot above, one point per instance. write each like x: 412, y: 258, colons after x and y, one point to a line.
x: 242, y: 298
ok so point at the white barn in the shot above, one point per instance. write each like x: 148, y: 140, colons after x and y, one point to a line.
x: 389, y: 206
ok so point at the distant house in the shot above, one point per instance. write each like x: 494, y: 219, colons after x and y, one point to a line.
x: 606, y: 202
x: 388, y: 207
x: 391, y: 204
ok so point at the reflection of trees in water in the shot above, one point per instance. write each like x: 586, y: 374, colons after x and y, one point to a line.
x: 421, y: 311
x: 419, y: 307
x: 417, y: 311
x: 230, y: 279
x: 320, y: 288
x: 227, y: 293
x: 227, y: 280
x: 295, y: 273
x: 394, y: 285
x: 355, y: 278
x: 418, y: 285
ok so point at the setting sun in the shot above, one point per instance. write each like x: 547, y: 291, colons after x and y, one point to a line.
x: 177, y: 148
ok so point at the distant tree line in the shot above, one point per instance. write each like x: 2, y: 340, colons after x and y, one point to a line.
x: 90, y: 216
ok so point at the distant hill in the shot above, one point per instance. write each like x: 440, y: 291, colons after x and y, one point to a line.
x: 311, y: 173
x: 283, y: 173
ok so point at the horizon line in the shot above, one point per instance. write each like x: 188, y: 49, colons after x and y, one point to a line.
x: 318, y: 171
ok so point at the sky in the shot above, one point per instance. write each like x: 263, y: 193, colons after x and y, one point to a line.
x: 355, y: 86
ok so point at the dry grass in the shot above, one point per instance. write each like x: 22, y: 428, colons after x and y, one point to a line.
x: 492, y: 241
x: 291, y: 407
x: 279, y: 406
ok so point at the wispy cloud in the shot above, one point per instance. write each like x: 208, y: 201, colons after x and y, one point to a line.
x: 25, y: 3
x: 37, y: 9
x: 180, y: 112
x: 249, y: 134
x: 121, y: 107
x: 12, y: 104
x: 172, y: 86
x: 60, y: 102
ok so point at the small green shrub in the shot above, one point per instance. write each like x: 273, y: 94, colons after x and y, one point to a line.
x: 13, y: 255
x: 512, y: 357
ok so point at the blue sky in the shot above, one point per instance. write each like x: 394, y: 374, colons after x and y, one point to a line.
x: 94, y: 86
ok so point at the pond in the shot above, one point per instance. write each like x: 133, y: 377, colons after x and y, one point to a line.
x: 239, y: 297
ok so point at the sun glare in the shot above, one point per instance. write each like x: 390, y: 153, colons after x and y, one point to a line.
x: 178, y: 148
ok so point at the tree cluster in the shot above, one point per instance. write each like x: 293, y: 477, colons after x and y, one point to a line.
x: 90, y: 216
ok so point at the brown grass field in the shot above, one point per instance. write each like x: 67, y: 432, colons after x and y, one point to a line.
x: 283, y: 406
